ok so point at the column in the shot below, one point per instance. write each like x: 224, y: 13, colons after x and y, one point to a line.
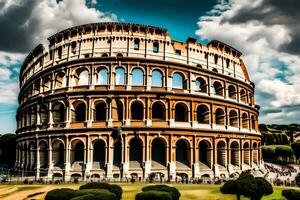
x: 50, y: 163
x: 37, y: 160
x: 110, y: 153
x: 50, y: 118
x: 172, y: 163
x: 147, y: 160
x: 67, y: 159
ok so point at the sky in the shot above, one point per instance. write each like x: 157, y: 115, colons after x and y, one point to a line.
x: 267, y: 32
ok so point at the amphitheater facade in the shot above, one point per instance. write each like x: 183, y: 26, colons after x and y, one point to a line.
x: 118, y: 101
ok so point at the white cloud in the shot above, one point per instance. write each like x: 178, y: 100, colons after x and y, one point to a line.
x: 275, y: 72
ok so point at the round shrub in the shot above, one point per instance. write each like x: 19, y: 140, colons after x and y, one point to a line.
x: 153, y: 195
x: 60, y: 194
x: 99, y: 194
x: 117, y: 190
x: 291, y: 194
x: 175, y: 194
x: 84, y: 197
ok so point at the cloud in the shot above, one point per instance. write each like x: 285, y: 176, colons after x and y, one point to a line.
x: 267, y: 32
x: 30, y: 22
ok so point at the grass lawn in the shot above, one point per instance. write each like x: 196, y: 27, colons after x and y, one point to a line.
x: 188, y: 192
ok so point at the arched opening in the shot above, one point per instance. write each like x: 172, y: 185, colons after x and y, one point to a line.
x: 119, y: 55
x: 117, y: 154
x: 120, y: 76
x: 99, y: 154
x: 243, y: 96
x: 178, y: 80
x: 58, y: 154
x: 136, y: 152
x: 232, y: 92
x: 137, y: 77
x: 137, y: 111
x: 234, y: 154
x: 181, y: 113
x: 119, y: 110
x: 58, y: 112
x: 79, y: 112
x: 155, y: 47
x: 100, y: 112
x: 253, y: 122
x: 233, y: 118
x: 44, y: 115
x: 46, y: 84
x: 203, y: 114
x: 245, y: 120
x: 246, y: 152
x: 60, y: 80
x: 221, y: 153
x: 157, y: 78
x: 158, y: 152
x: 220, y: 117
x: 205, y: 153
x: 215, y: 70
x: 201, y: 85
x: 81, y: 77
x: 43, y: 154
x: 136, y: 43
x: 218, y: 88
x: 33, y: 116
x: 32, y: 155
x: 158, y: 111
x: 216, y: 58
x: 182, y: 152
x: 105, y: 55
x: 77, y: 154
x: 254, y: 152
x: 102, y: 77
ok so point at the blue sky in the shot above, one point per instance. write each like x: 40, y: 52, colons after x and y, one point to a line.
x: 267, y: 33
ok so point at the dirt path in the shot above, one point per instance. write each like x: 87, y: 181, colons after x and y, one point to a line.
x: 21, y: 195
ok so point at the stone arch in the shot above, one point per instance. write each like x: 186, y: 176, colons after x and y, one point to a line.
x: 137, y: 110
x: 205, y: 153
x: 254, y: 152
x: 136, y: 150
x: 233, y: 118
x: 81, y: 76
x: 117, y: 160
x: 253, y: 122
x: 157, y: 79
x: 183, y: 152
x: 246, y: 152
x: 181, y: 112
x: 43, y: 111
x: 201, y: 85
x: 58, y: 153
x: 221, y: 153
x: 232, y: 91
x: 120, y: 75
x: 203, y: 114
x: 102, y: 75
x: 218, y: 88
x: 99, y: 154
x: 43, y: 150
x: 245, y: 121
x: 60, y: 80
x: 77, y: 154
x: 178, y: 80
x: 100, y: 111
x: 243, y: 95
x: 46, y: 83
x: 220, y: 116
x: 79, y: 111
x: 158, y: 111
x: 158, y: 151
x: 137, y: 76
x: 58, y: 112
x: 234, y: 153
x: 32, y: 154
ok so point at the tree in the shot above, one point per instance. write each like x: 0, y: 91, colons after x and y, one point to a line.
x: 296, y: 147
x: 248, y: 186
x: 8, y: 149
x: 284, y: 151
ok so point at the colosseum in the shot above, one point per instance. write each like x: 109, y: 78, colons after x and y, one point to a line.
x: 120, y: 101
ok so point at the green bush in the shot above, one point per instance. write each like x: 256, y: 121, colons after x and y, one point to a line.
x: 153, y: 195
x: 117, y: 190
x: 85, y: 197
x: 60, y: 194
x: 297, y: 178
x: 291, y: 194
x: 268, y: 152
x: 284, y: 151
x: 175, y: 194
x: 99, y: 194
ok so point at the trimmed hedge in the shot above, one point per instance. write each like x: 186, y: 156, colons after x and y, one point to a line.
x: 85, y: 197
x: 291, y: 194
x: 153, y: 195
x: 60, y: 194
x: 117, y: 190
x: 175, y: 194
x: 99, y: 194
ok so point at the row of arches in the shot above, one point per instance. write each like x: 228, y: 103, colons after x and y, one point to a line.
x: 101, y: 109
x: 159, y: 151
x: 81, y: 77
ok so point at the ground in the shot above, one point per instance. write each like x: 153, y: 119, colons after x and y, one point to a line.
x: 188, y: 192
